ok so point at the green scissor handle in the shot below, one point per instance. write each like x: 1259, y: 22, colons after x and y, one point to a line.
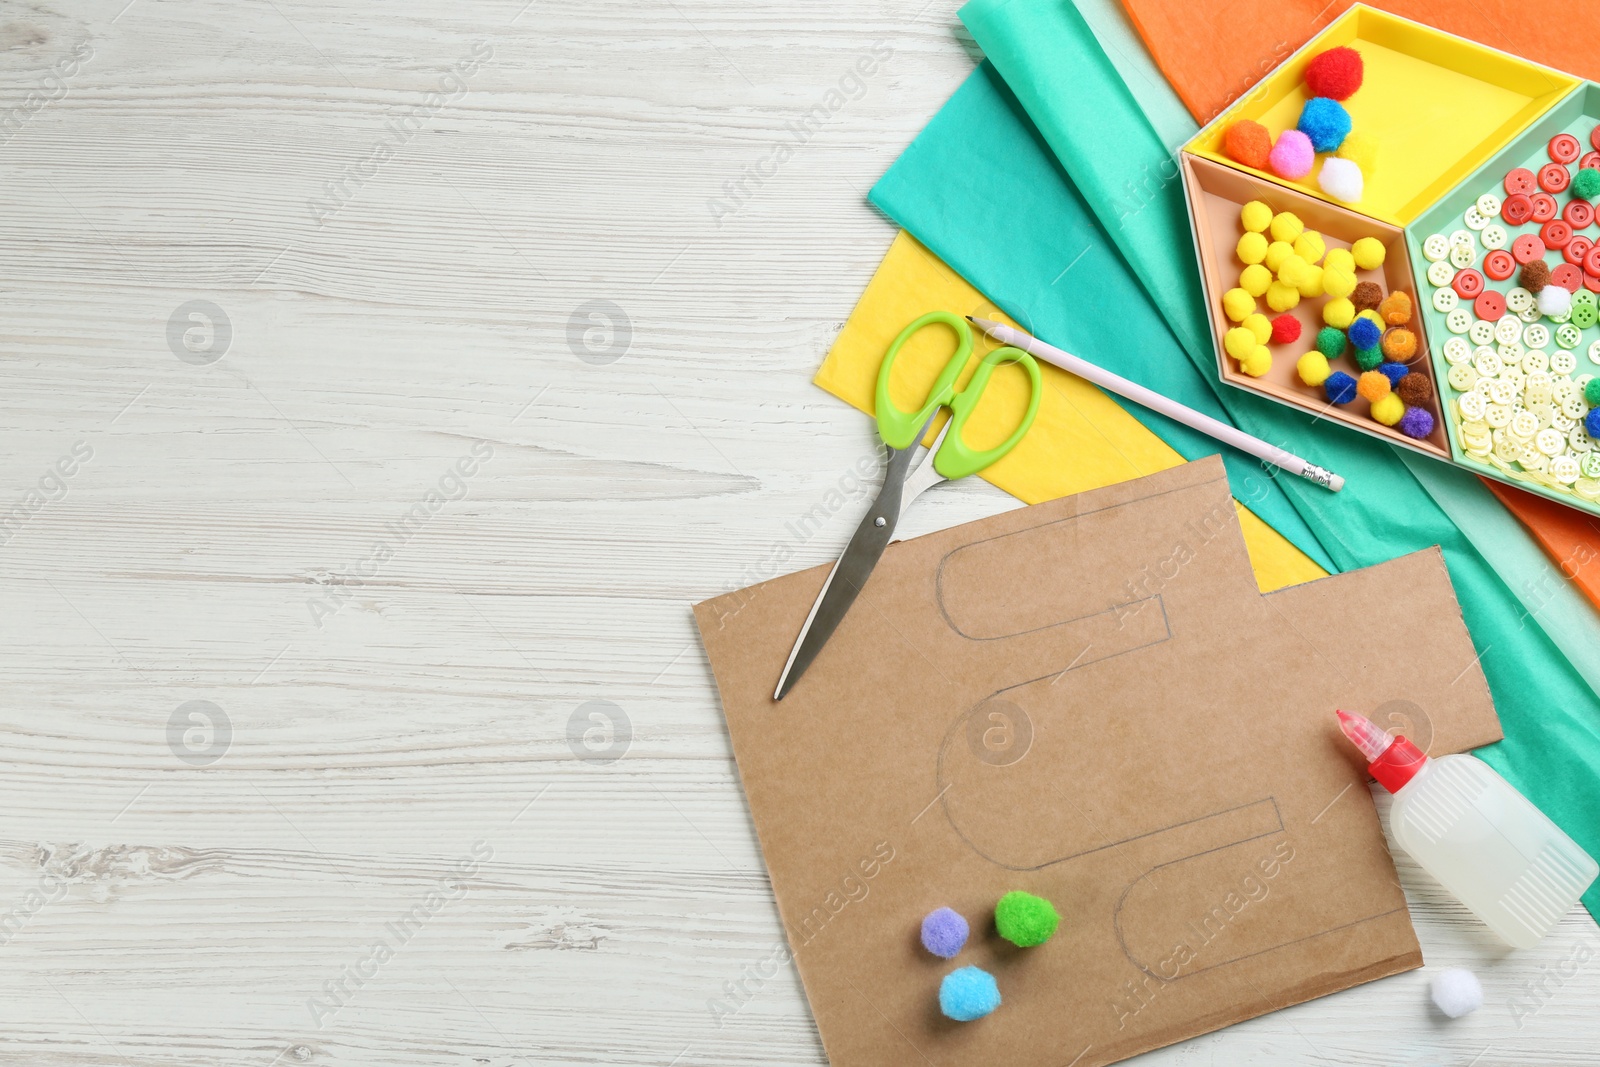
x: 899, y: 429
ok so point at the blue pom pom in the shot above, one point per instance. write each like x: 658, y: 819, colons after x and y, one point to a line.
x: 1364, y: 333
x: 1395, y: 371
x: 968, y: 994
x: 1591, y: 423
x: 1326, y: 122
x: 1340, y: 387
x: 944, y: 932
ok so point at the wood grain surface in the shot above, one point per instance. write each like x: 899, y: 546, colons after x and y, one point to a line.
x: 382, y: 383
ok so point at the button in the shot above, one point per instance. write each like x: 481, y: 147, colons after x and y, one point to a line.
x: 1458, y: 351
x: 1490, y: 306
x: 1499, y: 265
x: 1579, y: 213
x: 1566, y: 275
x: 1436, y: 248
x: 1526, y: 249
x: 1486, y: 363
x: 1534, y: 315
x: 1584, y: 315
x: 1564, y: 469
x: 1576, y: 249
x: 1544, y: 207
x: 1475, y: 219
x: 1494, y: 236
x: 1488, y: 205
x: 1591, y: 161
x: 1523, y: 425
x: 1507, y: 331
x: 1458, y: 321
x: 1519, y: 300
x: 1445, y: 299
x: 1591, y: 262
x: 1591, y: 283
x: 1518, y: 208
x: 1463, y: 255
x: 1441, y: 274
x: 1481, y: 333
x: 1460, y: 237
x: 1521, y: 180
x: 1564, y: 148
x: 1594, y: 349
x: 1555, y: 234
x: 1536, y: 337
x: 1554, y: 178
x: 1468, y: 284
x: 1567, y: 336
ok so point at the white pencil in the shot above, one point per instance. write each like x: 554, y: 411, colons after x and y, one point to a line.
x: 1228, y: 435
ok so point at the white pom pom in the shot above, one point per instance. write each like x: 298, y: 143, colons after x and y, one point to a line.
x: 1457, y: 991
x: 1341, y: 179
x: 1554, y: 300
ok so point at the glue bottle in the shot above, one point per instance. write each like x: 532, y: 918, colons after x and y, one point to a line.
x: 1484, y: 841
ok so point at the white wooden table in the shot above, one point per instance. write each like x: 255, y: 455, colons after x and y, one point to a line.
x: 341, y: 521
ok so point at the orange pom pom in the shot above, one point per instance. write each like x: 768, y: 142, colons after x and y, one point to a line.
x: 1396, y: 309
x: 1399, y: 344
x: 1249, y: 143
x: 1373, y: 386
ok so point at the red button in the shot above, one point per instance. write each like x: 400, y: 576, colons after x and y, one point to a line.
x: 1567, y: 276
x: 1544, y: 207
x: 1527, y: 248
x: 1468, y: 284
x: 1521, y: 179
x: 1579, y: 213
x: 1591, y: 262
x: 1554, y: 234
x: 1490, y: 305
x: 1564, y: 148
x: 1591, y: 282
x: 1554, y: 178
x: 1518, y: 208
x: 1576, y: 249
x: 1499, y: 265
x: 1591, y: 160
x: 1594, y: 138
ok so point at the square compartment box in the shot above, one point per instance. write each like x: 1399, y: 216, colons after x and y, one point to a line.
x: 1216, y: 194
x: 1570, y: 348
x: 1437, y: 105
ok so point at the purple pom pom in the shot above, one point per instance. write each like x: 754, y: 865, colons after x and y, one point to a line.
x: 1416, y: 422
x: 944, y: 932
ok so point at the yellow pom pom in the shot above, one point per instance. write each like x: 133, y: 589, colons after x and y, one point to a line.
x: 1254, y: 279
x: 1310, y: 246
x: 1286, y: 226
x: 1256, y: 216
x: 1311, y: 283
x: 1259, y: 325
x: 1338, y: 282
x: 1281, y: 297
x: 1341, y: 258
x: 1360, y: 149
x: 1377, y: 320
x: 1236, y: 304
x: 1373, y: 385
x: 1369, y: 253
x: 1277, y: 252
x: 1313, y: 368
x: 1390, y: 409
x: 1293, y: 271
x: 1252, y: 248
x: 1338, y: 313
x: 1239, y: 342
x: 1257, y: 363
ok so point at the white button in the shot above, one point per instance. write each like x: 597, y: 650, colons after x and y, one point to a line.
x: 1532, y: 315
x: 1502, y: 391
x: 1461, y: 237
x: 1578, y: 440
x: 1462, y: 378
x: 1445, y: 300
x: 1594, y: 352
x: 1519, y: 299
x: 1458, y: 321
x: 1564, y: 469
x: 1435, y: 248
x: 1486, y: 363
x: 1472, y: 406
x: 1573, y: 407
x: 1497, y: 415
x: 1507, y: 330
x: 1475, y: 219
x: 1536, y: 335
x: 1563, y: 362
x: 1511, y: 352
x: 1523, y: 425
x: 1456, y: 350
x: 1495, y: 236
x: 1488, y: 205
x: 1481, y: 332
x: 1441, y: 275
x: 1463, y: 256
x: 1550, y: 442
x: 1562, y: 422
x: 1569, y: 336
x: 1536, y: 359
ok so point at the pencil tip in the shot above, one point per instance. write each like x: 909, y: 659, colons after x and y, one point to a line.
x: 972, y: 320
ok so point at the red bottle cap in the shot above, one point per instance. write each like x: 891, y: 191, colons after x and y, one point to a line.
x: 1399, y: 764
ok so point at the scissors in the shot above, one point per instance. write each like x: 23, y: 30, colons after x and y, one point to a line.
x: 909, y: 474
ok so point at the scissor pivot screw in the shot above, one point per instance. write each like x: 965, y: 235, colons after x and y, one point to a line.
x: 880, y: 521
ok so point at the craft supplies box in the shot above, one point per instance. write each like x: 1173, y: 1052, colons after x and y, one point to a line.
x: 1451, y: 120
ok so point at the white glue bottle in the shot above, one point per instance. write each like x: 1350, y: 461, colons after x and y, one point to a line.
x: 1483, y: 840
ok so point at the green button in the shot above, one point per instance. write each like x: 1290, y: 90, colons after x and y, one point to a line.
x: 1591, y: 464
x: 1584, y: 315
x: 1584, y: 296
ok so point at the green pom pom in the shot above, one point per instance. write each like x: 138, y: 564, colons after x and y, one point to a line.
x: 1591, y: 392
x: 1369, y: 358
x: 1331, y: 342
x: 1586, y: 183
x: 1025, y: 920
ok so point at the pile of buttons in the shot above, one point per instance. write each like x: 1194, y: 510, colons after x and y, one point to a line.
x: 1521, y: 405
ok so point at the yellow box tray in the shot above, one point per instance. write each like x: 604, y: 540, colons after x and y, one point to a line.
x: 1438, y: 106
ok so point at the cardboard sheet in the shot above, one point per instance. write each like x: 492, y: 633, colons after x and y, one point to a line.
x: 1087, y: 699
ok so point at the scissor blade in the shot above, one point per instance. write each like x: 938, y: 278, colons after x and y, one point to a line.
x: 851, y: 572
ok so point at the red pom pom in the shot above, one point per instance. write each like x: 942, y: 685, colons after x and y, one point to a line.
x: 1285, y: 330
x: 1335, y: 73
x: 1249, y: 143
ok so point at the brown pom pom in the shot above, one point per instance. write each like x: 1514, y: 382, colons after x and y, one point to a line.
x: 1367, y: 295
x: 1396, y: 309
x: 1399, y: 345
x: 1416, y: 390
x: 1535, y: 275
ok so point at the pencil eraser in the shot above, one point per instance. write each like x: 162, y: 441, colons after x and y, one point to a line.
x: 968, y: 993
x: 944, y: 932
